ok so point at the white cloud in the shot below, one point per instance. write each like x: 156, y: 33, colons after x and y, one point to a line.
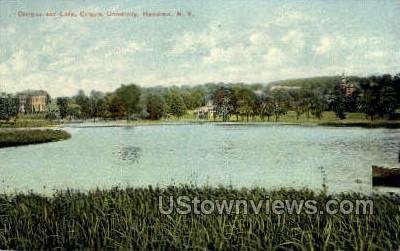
x: 216, y: 54
x: 109, y: 48
x: 258, y: 38
x: 211, y: 37
x: 234, y: 54
x: 4, y: 69
x: 325, y: 45
x: 185, y: 44
x: 294, y: 39
x: 18, y: 61
x: 288, y: 17
x: 377, y: 55
x: 275, y: 57
x: 8, y: 30
x: 127, y: 49
x: 64, y: 54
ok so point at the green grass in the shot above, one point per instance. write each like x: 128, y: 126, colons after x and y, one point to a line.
x: 129, y: 219
x: 18, y: 137
x: 328, y: 119
x: 28, y: 120
x: 22, y: 123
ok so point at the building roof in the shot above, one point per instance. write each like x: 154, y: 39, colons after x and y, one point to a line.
x: 284, y: 87
x: 33, y: 93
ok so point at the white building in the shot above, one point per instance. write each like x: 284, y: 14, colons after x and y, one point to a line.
x: 205, y: 112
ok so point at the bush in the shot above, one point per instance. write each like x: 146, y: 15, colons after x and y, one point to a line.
x: 25, y: 137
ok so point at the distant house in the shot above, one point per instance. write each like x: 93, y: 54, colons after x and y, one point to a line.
x: 284, y: 87
x: 348, y: 87
x: 32, y: 101
x: 205, y: 112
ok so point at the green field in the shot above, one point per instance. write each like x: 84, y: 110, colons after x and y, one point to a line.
x: 130, y: 219
x: 328, y: 119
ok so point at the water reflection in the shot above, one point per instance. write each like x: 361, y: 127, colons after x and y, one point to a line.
x: 338, y: 159
x: 129, y: 154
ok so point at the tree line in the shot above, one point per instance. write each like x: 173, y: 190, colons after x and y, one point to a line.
x: 375, y: 96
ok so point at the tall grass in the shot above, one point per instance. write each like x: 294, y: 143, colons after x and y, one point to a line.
x: 27, y: 121
x: 24, y: 137
x: 130, y: 219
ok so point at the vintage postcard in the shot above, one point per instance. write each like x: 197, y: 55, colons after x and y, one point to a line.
x: 205, y: 125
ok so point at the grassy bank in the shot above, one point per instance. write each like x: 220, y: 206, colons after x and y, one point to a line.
x: 373, y: 124
x: 25, y: 123
x: 130, y: 219
x: 35, y: 136
x: 328, y: 119
x: 28, y: 120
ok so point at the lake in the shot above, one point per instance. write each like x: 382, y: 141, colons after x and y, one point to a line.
x: 238, y: 155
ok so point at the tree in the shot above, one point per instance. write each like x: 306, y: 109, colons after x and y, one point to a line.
x: 97, y: 104
x: 245, y: 101
x: 266, y: 108
x: 8, y: 107
x: 297, y: 103
x: 193, y: 98
x: 222, y: 102
x: 116, y: 108
x: 337, y: 102
x: 279, y: 100
x: 369, y: 104
x: 74, y: 110
x: 129, y: 95
x: 233, y: 100
x: 101, y: 111
x: 318, y: 106
x: 62, y: 103
x: 175, y: 103
x: 83, y: 101
x: 52, y: 112
x: 369, y: 100
x: 388, y: 101
x: 155, y: 106
x: 307, y: 97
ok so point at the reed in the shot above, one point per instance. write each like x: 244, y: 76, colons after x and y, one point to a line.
x: 130, y: 219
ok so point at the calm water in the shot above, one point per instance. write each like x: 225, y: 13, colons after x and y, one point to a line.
x: 270, y: 156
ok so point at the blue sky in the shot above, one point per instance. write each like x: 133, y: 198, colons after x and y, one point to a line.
x: 223, y: 41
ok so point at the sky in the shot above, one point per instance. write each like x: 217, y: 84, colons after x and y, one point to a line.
x: 221, y: 41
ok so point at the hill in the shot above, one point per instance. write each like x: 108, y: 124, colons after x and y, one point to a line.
x: 325, y: 82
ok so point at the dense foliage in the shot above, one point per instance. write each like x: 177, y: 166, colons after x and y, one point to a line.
x: 375, y: 96
x: 8, y: 107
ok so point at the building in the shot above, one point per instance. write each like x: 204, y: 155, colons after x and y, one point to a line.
x: 32, y: 101
x: 348, y: 87
x: 284, y: 87
x: 205, y: 112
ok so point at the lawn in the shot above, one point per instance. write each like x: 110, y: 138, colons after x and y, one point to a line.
x: 328, y: 119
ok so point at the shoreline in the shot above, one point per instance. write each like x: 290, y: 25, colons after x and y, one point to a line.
x: 124, y: 123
